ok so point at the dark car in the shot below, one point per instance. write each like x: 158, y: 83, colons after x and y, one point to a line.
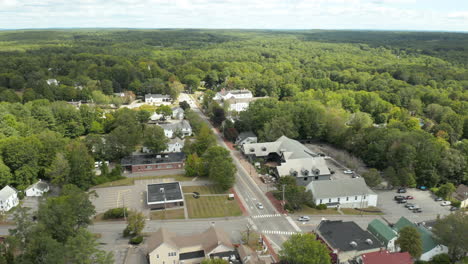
x: 453, y: 208
x: 401, y: 190
x: 399, y: 197
x: 417, y: 210
x: 401, y: 201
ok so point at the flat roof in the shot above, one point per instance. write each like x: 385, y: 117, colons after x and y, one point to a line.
x: 153, y: 158
x: 159, y: 193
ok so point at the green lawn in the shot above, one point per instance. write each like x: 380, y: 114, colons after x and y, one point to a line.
x: 131, y: 181
x: 168, y: 214
x: 209, y: 189
x: 210, y: 206
x: 352, y: 211
x: 312, y: 211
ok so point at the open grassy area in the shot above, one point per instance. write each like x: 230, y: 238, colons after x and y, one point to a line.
x: 312, y: 211
x: 167, y: 214
x: 352, y: 211
x: 210, y: 206
x: 208, y: 189
x: 131, y: 181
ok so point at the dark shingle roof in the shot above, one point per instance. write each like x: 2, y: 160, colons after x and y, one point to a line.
x: 153, y: 159
x: 158, y: 191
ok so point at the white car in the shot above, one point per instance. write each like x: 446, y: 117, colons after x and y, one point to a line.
x: 260, y: 206
x: 303, y: 218
x: 348, y: 172
x: 445, y: 203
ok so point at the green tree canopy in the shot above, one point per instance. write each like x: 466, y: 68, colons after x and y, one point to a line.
x: 304, y: 249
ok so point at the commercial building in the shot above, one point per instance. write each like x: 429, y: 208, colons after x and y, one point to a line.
x: 154, y: 162
x: 384, y: 233
x: 385, y: 257
x: 164, y: 195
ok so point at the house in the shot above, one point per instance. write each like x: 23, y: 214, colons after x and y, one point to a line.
x: 158, y: 99
x: 461, y: 194
x: 246, y: 138
x: 248, y: 256
x: 155, y: 117
x: 171, y: 129
x: 385, y: 257
x: 236, y: 94
x: 153, y: 162
x: 347, y: 239
x: 165, y: 247
x: 164, y: 195
x: 239, y: 104
x: 8, y: 198
x: 52, y: 82
x: 430, y: 245
x: 292, y: 159
x: 177, y: 113
x: 174, y: 145
x: 383, y: 233
x: 345, y: 193
x: 37, y: 189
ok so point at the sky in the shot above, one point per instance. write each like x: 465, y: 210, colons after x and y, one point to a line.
x: 434, y: 15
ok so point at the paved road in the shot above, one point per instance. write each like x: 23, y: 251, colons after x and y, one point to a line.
x: 268, y: 220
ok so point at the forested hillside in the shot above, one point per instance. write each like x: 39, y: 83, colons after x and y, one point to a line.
x: 399, y: 100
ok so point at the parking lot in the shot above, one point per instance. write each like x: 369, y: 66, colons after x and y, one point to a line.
x: 424, y: 199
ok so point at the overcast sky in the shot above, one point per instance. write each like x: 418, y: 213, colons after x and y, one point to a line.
x: 446, y: 15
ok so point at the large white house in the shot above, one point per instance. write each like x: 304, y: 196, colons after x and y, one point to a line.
x: 236, y: 94
x: 174, y: 145
x: 177, y: 113
x: 37, y: 189
x: 8, y: 198
x: 345, y: 193
x: 183, y: 127
x: 158, y: 99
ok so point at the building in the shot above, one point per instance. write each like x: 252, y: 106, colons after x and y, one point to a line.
x: 461, y: 194
x: 385, y: 257
x: 383, y: 233
x: 239, y: 104
x: 246, y: 138
x: 52, y: 82
x: 165, y: 247
x: 8, y: 198
x: 158, y: 99
x: 248, y: 256
x: 347, y: 239
x: 292, y: 159
x: 236, y: 94
x: 174, y: 145
x: 177, y: 113
x: 345, y: 193
x: 430, y: 245
x: 171, y: 129
x: 164, y: 195
x: 154, y: 162
x: 37, y: 189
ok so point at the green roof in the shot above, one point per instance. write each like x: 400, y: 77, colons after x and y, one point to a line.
x: 382, y: 231
x: 427, y: 238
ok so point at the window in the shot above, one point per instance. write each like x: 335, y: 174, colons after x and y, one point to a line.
x: 169, y: 166
x: 347, y: 198
x: 355, y: 198
x: 338, y: 199
x: 149, y: 167
x: 329, y: 200
x: 320, y: 200
x: 305, y: 178
x: 364, y: 197
x: 316, y: 177
x: 157, y: 256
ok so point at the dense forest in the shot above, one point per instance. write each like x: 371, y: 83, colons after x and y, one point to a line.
x: 399, y: 100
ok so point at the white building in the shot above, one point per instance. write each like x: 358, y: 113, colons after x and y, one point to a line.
x: 174, y: 145
x: 246, y: 138
x: 37, y: 189
x: 171, y: 129
x: 52, y: 82
x: 177, y: 113
x: 8, y: 198
x: 237, y: 94
x: 158, y: 99
x: 345, y: 193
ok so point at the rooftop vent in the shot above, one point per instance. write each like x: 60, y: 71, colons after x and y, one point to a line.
x: 263, y: 148
x: 353, y: 244
x: 305, y: 172
x: 161, y: 190
x: 369, y: 241
x: 293, y: 172
x: 252, y: 149
x: 315, y: 171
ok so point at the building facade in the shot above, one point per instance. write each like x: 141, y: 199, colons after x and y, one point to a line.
x: 8, y: 198
x: 158, y: 99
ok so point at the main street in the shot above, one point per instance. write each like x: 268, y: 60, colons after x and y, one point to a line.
x: 276, y: 227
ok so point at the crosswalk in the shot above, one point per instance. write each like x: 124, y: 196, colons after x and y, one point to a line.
x: 277, y: 232
x: 266, y: 216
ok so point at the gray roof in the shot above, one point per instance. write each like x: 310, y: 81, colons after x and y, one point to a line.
x: 176, y: 140
x: 312, y: 166
x: 182, y: 125
x: 161, y: 192
x: 339, y: 188
x: 339, y: 235
x: 7, y: 192
x: 153, y: 159
x: 245, y: 135
x: 40, y: 185
x: 164, y: 96
x: 292, y: 149
x: 177, y: 109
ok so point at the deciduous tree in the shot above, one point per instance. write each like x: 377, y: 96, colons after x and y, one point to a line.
x: 304, y: 249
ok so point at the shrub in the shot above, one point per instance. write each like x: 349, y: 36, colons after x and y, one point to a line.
x: 115, y: 213
x: 321, y: 206
x: 455, y: 203
x: 136, y: 240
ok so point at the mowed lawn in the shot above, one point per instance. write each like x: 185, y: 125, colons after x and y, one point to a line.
x: 167, y: 214
x: 210, y: 206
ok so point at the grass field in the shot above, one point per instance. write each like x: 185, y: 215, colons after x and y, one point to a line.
x: 168, y: 214
x: 131, y: 181
x: 210, y: 206
x: 312, y: 211
x: 351, y: 211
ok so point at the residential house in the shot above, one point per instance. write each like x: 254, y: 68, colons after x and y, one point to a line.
x: 249, y: 256
x: 37, y: 189
x: 8, y: 198
x: 461, y: 194
x: 246, y: 138
x: 239, y: 104
x: 177, y: 113
x: 346, y: 239
x: 174, y: 145
x: 172, y: 129
x: 165, y: 247
x: 292, y: 159
x: 158, y: 99
x: 343, y: 193
x: 430, y: 245
x: 153, y: 162
x: 164, y: 195
x: 384, y: 233
x: 228, y: 94
x: 385, y: 257
x: 155, y: 117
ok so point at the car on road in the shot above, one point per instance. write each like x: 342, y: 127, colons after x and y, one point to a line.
x: 303, y: 218
x: 348, y: 172
x: 413, y: 207
x: 445, y: 203
x: 438, y: 199
x: 260, y: 206
x: 401, y: 190
x: 453, y: 208
x: 401, y: 201
x: 409, y: 197
x: 417, y: 210
x: 409, y: 205
x: 399, y: 197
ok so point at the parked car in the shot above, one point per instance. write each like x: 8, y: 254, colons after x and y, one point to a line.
x: 417, y: 210
x: 438, y: 199
x: 399, y: 197
x: 422, y: 188
x: 413, y: 207
x: 409, y: 197
x: 401, y: 201
x: 348, y: 172
x: 445, y: 203
x: 260, y: 206
x: 401, y: 190
x: 453, y: 208
x: 303, y: 218
x: 409, y: 204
